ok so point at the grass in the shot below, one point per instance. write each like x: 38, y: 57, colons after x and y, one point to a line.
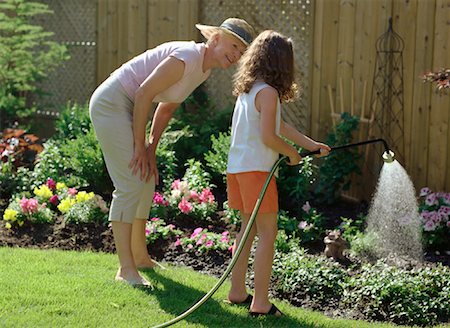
x: 53, y: 288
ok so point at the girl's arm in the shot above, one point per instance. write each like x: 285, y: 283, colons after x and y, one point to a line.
x: 289, y: 132
x: 167, y: 73
x: 163, y: 114
x: 266, y: 103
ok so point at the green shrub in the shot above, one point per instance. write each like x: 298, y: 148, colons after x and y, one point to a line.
x: 217, y: 157
x: 301, y: 276
x: 84, y: 159
x: 338, y: 165
x: 157, y: 230
x: 295, y: 184
x: 407, y: 297
x: 26, y: 56
x: 73, y: 121
x: 351, y: 227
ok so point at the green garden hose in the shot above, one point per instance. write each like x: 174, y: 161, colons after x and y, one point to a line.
x: 236, y: 254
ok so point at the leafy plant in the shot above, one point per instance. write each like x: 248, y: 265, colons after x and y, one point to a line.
x: 312, y: 225
x: 217, y: 157
x: 157, y: 229
x: 26, y: 56
x: 337, y: 166
x: 202, y: 241
x: 73, y: 121
x: 302, y: 276
x: 351, y: 227
x: 405, y: 297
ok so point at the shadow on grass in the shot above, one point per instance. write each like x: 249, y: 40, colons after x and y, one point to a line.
x: 176, y: 298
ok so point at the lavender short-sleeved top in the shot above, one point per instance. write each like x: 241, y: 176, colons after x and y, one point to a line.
x: 134, y: 72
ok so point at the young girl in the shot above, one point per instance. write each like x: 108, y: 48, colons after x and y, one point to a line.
x: 264, y: 79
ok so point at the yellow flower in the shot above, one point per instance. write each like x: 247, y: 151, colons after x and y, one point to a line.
x: 8, y: 225
x: 43, y: 192
x: 83, y: 196
x: 66, y: 204
x: 60, y: 185
x: 10, y: 215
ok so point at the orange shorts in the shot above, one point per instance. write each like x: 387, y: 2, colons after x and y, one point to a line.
x: 243, y: 190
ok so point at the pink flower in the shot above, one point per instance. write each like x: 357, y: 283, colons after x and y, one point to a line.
x: 29, y: 205
x: 224, y: 239
x: 178, y: 242
x: 176, y: 184
x: 196, y: 232
x: 306, y: 207
x: 154, y: 219
x: 200, y: 241
x: 184, y: 206
x: 302, y: 225
x: 424, y: 191
x: 429, y: 226
x: 209, y: 243
x: 194, y: 196
x: 225, y: 233
x: 158, y: 199
x: 171, y: 226
x: 147, y: 231
x: 431, y: 199
x: 72, y: 191
x: 54, y: 200
x: 206, y: 196
x: 447, y: 198
x: 190, y: 246
x: 51, y: 184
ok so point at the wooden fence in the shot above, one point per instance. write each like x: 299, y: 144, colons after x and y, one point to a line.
x: 337, y: 45
x: 345, y: 34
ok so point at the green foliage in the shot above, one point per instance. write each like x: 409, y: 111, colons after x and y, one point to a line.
x: 406, y: 297
x: 26, y: 56
x: 287, y: 223
x: 312, y: 225
x: 85, y: 160
x: 73, y: 121
x: 351, y: 227
x: 196, y: 176
x: 202, y: 241
x: 294, y: 182
x: 157, y: 230
x: 51, y: 164
x: 363, y: 245
x: 217, y: 157
x: 306, y: 276
x: 338, y: 165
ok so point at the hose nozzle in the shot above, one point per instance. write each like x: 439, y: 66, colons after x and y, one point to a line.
x: 388, y: 156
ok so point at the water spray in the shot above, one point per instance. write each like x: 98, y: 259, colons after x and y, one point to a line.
x: 388, y: 157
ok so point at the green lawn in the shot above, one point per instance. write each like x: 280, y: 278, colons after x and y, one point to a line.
x: 52, y: 288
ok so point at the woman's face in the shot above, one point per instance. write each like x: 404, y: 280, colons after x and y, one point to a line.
x: 228, y: 50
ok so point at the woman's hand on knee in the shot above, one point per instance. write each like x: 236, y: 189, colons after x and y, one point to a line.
x: 139, y: 162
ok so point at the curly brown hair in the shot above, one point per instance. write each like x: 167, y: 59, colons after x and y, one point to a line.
x: 269, y: 58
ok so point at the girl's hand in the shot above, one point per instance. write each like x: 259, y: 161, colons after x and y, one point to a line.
x: 324, y: 149
x: 140, y: 162
x: 294, y: 158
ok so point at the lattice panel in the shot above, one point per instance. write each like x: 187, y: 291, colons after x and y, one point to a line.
x: 293, y: 19
x: 74, y: 24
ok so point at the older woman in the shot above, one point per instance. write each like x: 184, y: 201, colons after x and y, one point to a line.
x: 120, y: 109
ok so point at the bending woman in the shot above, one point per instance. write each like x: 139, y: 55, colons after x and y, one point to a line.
x: 120, y: 109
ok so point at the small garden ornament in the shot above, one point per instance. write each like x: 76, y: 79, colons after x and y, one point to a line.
x: 334, y: 245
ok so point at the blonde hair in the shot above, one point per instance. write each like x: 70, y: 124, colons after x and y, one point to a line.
x: 236, y: 27
x: 270, y: 58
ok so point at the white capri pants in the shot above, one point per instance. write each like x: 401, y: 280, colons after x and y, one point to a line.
x: 111, y: 112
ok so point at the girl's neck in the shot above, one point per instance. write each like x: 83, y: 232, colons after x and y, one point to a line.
x: 208, y: 59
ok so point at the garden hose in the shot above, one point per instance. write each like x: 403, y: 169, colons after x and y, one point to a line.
x: 238, y: 251
x: 236, y: 254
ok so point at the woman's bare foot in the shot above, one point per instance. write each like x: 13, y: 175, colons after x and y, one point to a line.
x: 148, y: 263
x: 131, y: 277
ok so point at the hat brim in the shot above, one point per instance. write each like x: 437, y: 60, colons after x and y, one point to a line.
x: 208, y: 30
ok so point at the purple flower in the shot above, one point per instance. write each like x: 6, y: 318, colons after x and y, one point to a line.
x: 431, y: 199
x: 306, y: 207
x: 429, y: 226
x: 51, y: 184
x: 424, y: 191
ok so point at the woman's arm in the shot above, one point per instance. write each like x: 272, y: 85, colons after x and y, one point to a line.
x: 266, y: 103
x: 163, y: 114
x: 167, y: 73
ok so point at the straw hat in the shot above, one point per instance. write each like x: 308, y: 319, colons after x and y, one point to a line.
x: 234, y: 26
